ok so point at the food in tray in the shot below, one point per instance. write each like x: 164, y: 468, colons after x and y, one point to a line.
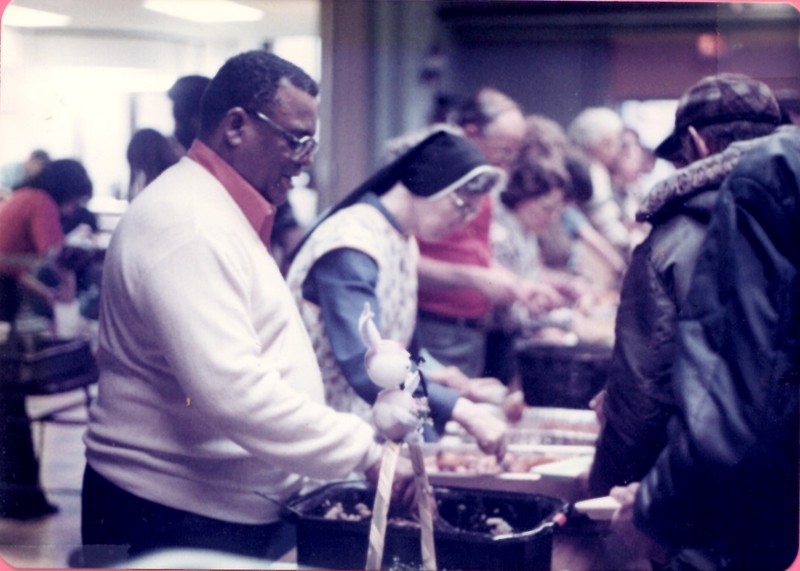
x: 491, y: 524
x: 477, y: 463
x: 564, y: 424
x: 359, y: 512
x: 537, y: 436
x: 498, y: 526
x: 544, y: 425
x: 563, y: 420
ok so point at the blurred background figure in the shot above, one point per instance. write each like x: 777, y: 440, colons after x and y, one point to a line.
x: 186, y: 94
x: 629, y: 180
x: 598, y: 131
x: 15, y: 175
x: 459, y: 280
x: 31, y: 236
x: 550, y: 177
x: 81, y: 233
x: 532, y: 201
x: 149, y: 154
x: 570, y: 242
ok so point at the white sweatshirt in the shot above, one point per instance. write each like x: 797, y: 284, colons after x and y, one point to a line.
x: 209, y: 391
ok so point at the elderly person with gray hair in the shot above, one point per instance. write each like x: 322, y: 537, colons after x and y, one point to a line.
x: 597, y: 131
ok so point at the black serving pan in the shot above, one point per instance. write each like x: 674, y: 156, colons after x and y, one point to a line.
x: 46, y: 366
x: 462, y: 537
x: 565, y: 376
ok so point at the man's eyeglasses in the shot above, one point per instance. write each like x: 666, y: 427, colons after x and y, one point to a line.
x: 301, y: 147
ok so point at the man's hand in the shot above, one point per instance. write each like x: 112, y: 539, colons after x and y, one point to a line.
x: 597, y: 404
x: 478, y: 389
x: 498, y: 284
x: 449, y: 376
x: 514, y: 406
x: 539, y: 297
x: 622, y: 524
x: 486, y: 389
x: 403, y: 485
x: 489, y: 431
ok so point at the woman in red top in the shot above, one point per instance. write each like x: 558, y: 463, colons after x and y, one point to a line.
x: 31, y: 234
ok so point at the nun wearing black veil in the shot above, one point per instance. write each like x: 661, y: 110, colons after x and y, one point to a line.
x: 364, y: 250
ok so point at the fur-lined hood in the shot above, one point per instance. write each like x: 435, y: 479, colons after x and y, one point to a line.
x: 704, y: 174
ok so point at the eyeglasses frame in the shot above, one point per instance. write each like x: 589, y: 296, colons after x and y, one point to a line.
x: 464, y: 208
x: 301, y: 146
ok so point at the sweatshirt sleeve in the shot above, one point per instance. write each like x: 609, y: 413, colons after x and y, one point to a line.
x: 207, y: 335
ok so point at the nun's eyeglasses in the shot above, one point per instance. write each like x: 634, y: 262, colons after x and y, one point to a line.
x: 301, y: 147
x: 466, y: 209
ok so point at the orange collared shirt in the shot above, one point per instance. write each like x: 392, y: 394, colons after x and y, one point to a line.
x: 260, y: 213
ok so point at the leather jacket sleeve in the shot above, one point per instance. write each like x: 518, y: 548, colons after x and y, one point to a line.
x: 634, y: 430
x: 639, y: 398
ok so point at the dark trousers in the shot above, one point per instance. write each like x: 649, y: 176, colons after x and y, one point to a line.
x: 117, y: 525
x: 10, y: 298
x: 501, y: 360
x: 21, y: 496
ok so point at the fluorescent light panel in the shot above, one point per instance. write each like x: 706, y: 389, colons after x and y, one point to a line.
x: 206, y: 11
x: 19, y: 17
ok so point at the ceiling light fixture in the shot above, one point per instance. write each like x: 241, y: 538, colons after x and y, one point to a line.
x: 29, y: 18
x: 206, y: 11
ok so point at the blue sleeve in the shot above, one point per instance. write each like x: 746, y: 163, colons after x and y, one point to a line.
x: 572, y: 218
x: 340, y: 283
x: 441, y: 399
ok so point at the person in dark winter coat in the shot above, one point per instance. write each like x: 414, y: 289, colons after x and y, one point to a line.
x: 724, y: 492
x: 716, y: 121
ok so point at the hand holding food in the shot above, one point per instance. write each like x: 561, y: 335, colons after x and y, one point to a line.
x: 540, y: 297
x: 489, y: 432
x: 486, y: 389
x: 514, y: 406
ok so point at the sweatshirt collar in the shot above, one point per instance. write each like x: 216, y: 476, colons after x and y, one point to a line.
x: 260, y: 213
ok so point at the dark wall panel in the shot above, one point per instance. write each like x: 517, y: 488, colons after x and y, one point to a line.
x: 557, y: 80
